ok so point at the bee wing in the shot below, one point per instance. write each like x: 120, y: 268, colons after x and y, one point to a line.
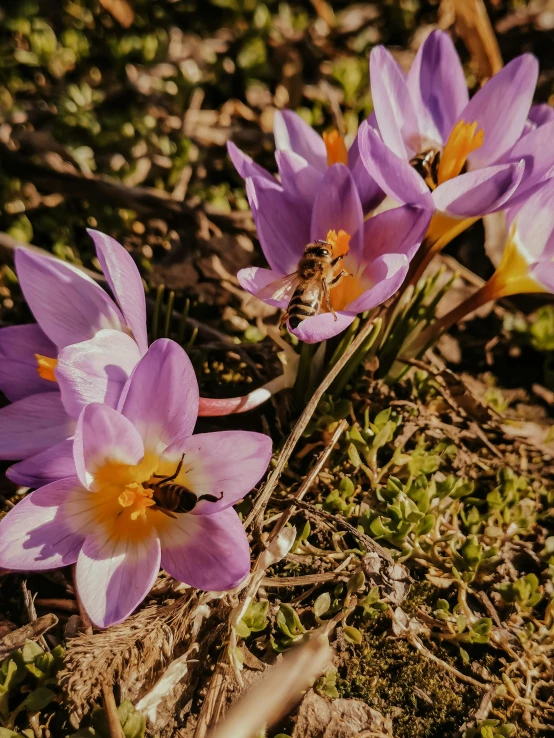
x: 280, y: 290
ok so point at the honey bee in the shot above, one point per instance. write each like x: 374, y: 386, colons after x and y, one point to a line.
x: 426, y: 164
x: 310, y: 284
x: 171, y: 498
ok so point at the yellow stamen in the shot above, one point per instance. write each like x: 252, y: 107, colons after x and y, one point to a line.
x: 348, y: 288
x: 45, y: 367
x: 122, y: 497
x: 336, y: 148
x: 463, y: 139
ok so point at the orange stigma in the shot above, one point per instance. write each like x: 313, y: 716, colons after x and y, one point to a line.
x: 339, y: 241
x: 45, y: 367
x: 463, y: 139
x: 336, y: 148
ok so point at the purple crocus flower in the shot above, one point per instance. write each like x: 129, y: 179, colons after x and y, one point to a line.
x: 428, y: 115
x: 109, y: 519
x: 526, y: 266
x: 527, y: 263
x: 376, y: 252
x: 82, y: 349
x: 303, y: 157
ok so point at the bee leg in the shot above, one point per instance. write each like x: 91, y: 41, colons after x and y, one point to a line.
x: 169, y: 513
x: 210, y: 498
x: 327, y: 297
x: 163, y: 479
x: 338, y: 277
x: 336, y: 261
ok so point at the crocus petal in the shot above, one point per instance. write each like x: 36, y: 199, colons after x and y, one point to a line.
x: 103, y: 435
x: 282, y: 222
x: 298, y: 178
x: 322, y: 326
x: 400, y: 230
x: 19, y: 345
x: 541, y: 114
x: 113, y: 576
x: 161, y: 396
x: 244, y: 164
x: 226, y: 464
x: 543, y: 273
x: 387, y: 272
x: 534, y: 223
x: 480, y: 192
x: 337, y: 207
x: 292, y: 133
x: 393, y: 175
x: 371, y: 195
x: 437, y: 86
x: 125, y: 282
x: 46, y: 467
x: 501, y: 107
x: 394, y: 111
x: 208, y: 552
x: 33, y: 424
x: 68, y: 305
x: 39, y: 533
x: 96, y: 370
x: 256, y: 280
x: 536, y: 151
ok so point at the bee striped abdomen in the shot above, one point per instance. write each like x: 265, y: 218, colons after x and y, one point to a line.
x: 304, y: 304
x: 175, y: 498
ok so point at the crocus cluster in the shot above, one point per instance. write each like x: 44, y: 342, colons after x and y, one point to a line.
x: 424, y: 166
x: 103, y: 426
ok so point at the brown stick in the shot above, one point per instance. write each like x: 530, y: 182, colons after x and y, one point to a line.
x: 114, y: 723
x: 17, y: 638
x: 145, y: 200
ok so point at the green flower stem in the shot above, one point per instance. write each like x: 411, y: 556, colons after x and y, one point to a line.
x: 302, y: 383
x: 345, y: 341
x: 344, y: 377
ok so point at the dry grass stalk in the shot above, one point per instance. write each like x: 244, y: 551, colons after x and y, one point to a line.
x: 127, y: 653
x: 31, y: 632
x: 472, y: 24
x: 277, y: 693
x: 256, y: 515
x: 310, y: 478
x: 121, y: 10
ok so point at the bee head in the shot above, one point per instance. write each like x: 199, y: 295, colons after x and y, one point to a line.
x: 319, y: 248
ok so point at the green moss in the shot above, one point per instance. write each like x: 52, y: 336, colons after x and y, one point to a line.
x: 393, y: 678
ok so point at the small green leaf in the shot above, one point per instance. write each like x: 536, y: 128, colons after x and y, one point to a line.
x: 242, y: 630
x: 322, y: 604
x: 37, y: 700
x: 356, y: 582
x: 352, y: 635
x: 461, y: 623
x: 132, y: 721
